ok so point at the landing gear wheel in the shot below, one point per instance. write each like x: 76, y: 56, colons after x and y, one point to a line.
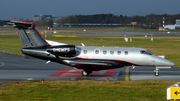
x: 85, y: 73
x: 157, y: 73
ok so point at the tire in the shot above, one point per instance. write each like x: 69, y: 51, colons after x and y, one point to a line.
x: 157, y: 73
x: 85, y: 73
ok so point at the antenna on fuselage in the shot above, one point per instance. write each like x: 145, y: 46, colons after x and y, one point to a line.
x: 133, y: 66
x: 82, y: 44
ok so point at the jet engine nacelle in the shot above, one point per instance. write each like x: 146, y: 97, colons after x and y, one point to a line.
x: 64, y: 50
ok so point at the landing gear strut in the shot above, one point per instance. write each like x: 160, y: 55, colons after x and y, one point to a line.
x: 156, y: 72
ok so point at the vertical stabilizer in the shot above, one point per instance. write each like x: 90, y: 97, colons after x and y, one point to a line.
x: 28, y: 34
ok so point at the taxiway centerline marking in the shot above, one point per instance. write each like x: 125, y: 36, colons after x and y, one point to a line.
x: 127, y: 74
x: 1, y: 64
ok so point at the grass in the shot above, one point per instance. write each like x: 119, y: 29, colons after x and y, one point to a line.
x: 86, y: 90
x: 11, y: 45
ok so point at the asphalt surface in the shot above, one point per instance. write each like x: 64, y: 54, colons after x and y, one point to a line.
x: 15, y: 68
x: 147, y: 73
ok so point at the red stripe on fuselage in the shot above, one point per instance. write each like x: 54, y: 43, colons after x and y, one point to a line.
x: 107, y: 60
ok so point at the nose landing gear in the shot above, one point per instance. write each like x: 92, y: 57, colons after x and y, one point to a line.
x: 156, y: 72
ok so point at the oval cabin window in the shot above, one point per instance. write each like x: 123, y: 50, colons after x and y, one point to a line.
x: 104, y: 52
x: 111, y: 52
x: 97, y: 51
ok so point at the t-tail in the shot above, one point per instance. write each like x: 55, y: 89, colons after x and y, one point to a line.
x: 28, y: 34
x: 36, y: 46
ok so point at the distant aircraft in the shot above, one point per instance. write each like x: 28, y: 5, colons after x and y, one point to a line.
x: 83, y: 57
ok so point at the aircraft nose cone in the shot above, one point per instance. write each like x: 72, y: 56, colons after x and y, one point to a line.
x: 172, y: 64
x: 162, y: 62
x: 168, y: 63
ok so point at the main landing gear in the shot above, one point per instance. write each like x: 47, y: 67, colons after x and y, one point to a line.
x: 86, y: 72
x: 156, y: 72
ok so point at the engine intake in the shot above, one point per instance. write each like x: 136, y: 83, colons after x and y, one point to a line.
x: 64, y: 50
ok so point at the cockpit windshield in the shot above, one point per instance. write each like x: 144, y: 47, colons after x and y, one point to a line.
x: 146, y: 52
x: 150, y: 53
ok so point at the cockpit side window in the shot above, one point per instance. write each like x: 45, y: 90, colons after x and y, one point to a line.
x: 143, y: 52
x: 146, y: 52
x: 150, y: 53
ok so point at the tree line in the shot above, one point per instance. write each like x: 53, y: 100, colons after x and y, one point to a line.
x: 151, y: 19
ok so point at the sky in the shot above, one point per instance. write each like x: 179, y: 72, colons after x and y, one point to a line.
x: 26, y: 9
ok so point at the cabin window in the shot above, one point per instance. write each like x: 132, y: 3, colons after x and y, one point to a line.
x: 111, y: 52
x: 85, y: 51
x: 104, y: 52
x: 126, y: 52
x: 119, y: 52
x: 96, y: 51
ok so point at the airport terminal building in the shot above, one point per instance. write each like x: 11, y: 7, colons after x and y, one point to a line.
x: 173, y: 27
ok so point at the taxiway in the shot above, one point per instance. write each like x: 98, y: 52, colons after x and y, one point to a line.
x: 16, y: 68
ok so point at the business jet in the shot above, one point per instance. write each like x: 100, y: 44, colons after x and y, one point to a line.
x: 84, y: 57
